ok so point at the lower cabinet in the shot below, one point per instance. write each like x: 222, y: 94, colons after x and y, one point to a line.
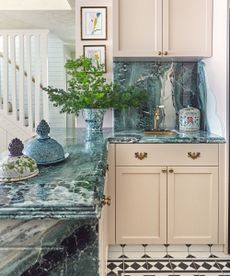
x: 140, y: 205
x: 193, y: 205
x: 150, y: 200
x: 167, y: 204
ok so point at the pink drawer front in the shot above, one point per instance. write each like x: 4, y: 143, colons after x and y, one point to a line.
x: 166, y: 154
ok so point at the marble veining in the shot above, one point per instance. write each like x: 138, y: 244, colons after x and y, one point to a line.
x: 74, y: 188
x: 49, y: 247
x: 172, y: 84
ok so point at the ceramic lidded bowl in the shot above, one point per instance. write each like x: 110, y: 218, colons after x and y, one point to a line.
x: 43, y: 149
x: 16, y: 166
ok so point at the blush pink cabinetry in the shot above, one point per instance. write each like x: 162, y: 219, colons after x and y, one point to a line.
x: 168, y: 196
x: 162, y: 28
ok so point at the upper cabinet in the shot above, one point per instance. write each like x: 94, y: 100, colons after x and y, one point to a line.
x: 162, y: 28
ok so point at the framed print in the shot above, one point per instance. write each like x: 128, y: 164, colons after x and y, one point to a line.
x: 93, y: 23
x: 95, y: 52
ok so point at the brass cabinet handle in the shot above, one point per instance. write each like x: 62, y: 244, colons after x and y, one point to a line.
x: 159, y: 53
x: 165, y: 53
x: 171, y: 170
x: 106, y: 200
x: 164, y: 171
x: 194, y: 155
x: 107, y: 167
x: 141, y: 155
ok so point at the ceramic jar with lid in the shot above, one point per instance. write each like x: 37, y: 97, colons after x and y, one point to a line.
x: 16, y: 166
x: 189, y: 119
x: 44, y: 149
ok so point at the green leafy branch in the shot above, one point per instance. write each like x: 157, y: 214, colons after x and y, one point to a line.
x: 88, y: 88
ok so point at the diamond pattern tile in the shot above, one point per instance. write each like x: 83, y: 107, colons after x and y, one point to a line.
x: 206, y: 265
x: 135, y: 266
x: 183, y: 265
x: 218, y: 265
x: 159, y: 265
x: 194, y: 265
x: 111, y: 266
x: 123, y: 266
x: 147, y: 266
x: 171, y: 265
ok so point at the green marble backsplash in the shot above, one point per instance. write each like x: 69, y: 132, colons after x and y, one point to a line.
x: 172, y: 84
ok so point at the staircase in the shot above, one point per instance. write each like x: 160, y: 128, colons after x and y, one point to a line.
x: 23, y: 74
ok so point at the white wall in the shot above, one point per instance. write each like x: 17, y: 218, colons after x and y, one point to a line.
x: 108, y: 122
x: 217, y: 71
x: 56, y: 76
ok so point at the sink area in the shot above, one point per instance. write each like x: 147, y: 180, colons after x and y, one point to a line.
x: 160, y: 132
x: 125, y: 138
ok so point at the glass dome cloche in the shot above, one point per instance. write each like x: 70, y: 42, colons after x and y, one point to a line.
x: 17, y: 166
x: 44, y: 149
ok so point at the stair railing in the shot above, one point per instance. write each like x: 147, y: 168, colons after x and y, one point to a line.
x: 24, y: 74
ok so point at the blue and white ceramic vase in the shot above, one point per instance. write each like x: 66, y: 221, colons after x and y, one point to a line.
x: 189, y: 119
x: 94, y: 119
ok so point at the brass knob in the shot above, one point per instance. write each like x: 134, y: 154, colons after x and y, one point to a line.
x: 165, y: 53
x: 106, y: 200
x: 107, y: 167
x: 171, y: 170
x: 193, y: 155
x: 159, y: 53
x: 164, y: 170
x: 141, y: 155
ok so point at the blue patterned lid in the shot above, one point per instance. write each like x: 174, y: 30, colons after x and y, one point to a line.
x: 44, y: 149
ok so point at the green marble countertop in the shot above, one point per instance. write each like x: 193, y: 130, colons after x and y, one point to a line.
x: 73, y: 189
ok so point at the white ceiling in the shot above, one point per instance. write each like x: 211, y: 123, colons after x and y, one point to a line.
x: 34, y: 5
x: 62, y: 23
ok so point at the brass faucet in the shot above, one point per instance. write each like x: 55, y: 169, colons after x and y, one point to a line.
x: 157, y: 116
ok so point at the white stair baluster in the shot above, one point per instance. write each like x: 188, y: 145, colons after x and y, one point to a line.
x: 5, y: 74
x: 29, y: 81
x: 37, y: 80
x: 13, y: 76
x: 21, y: 80
x: 44, y: 55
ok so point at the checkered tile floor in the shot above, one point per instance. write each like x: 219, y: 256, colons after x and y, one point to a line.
x: 126, y: 264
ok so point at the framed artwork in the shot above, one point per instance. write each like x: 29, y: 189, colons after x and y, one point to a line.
x: 95, y: 52
x: 93, y: 23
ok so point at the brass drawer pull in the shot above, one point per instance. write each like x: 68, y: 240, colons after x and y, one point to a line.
x: 106, y: 200
x: 171, y: 170
x: 141, y: 155
x: 159, y: 53
x: 194, y: 155
x: 165, y: 53
x: 164, y: 171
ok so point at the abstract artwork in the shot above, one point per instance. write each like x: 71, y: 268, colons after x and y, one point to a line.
x: 93, y: 23
x: 97, y: 53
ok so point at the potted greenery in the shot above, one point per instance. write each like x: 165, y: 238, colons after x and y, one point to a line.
x: 88, y: 90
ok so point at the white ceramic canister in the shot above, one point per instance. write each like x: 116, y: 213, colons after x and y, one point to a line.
x: 189, y: 119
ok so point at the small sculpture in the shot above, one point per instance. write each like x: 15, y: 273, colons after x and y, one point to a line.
x: 16, y: 147
x: 43, y: 129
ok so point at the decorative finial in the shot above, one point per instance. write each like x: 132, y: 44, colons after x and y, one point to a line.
x: 43, y: 129
x: 16, y: 147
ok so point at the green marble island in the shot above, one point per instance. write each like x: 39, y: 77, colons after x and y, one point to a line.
x: 49, y: 223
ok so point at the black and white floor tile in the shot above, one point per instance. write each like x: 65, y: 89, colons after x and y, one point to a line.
x: 187, y: 260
